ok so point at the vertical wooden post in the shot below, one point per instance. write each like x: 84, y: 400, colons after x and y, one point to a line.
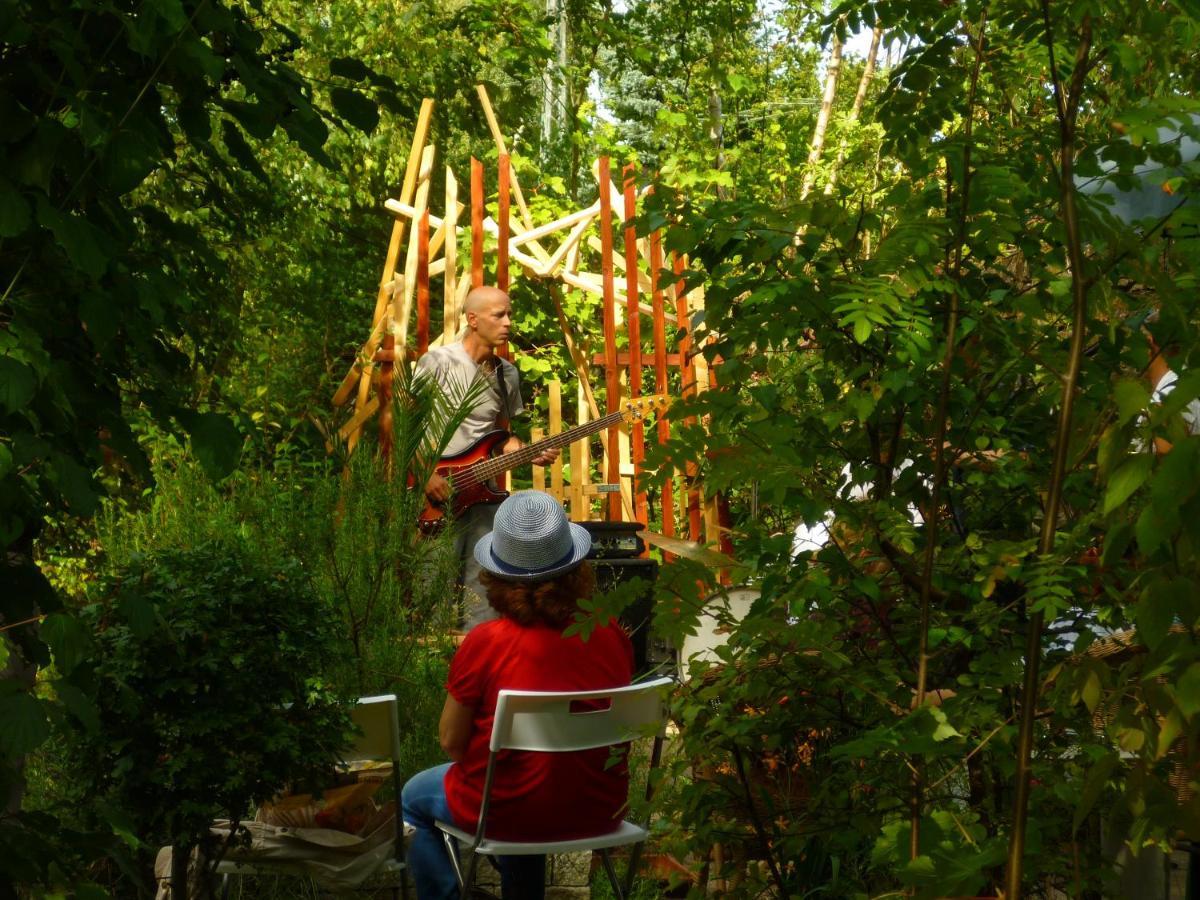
x: 638, y: 448
x: 556, y: 467
x: 504, y: 202
x: 450, y: 254
x: 660, y: 375
x: 687, y: 374
x: 539, y: 472
x: 612, y: 502
x: 476, y: 223
x: 423, y: 283
x: 581, y: 462
x: 386, y: 355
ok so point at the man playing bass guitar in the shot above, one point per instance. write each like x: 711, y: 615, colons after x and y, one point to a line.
x: 455, y: 367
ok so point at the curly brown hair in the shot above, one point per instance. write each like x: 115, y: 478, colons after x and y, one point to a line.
x: 552, y: 602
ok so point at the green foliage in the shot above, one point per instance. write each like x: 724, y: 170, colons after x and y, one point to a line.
x: 209, y: 691
x: 830, y: 321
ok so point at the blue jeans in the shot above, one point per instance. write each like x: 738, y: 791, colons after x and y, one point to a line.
x: 424, y: 802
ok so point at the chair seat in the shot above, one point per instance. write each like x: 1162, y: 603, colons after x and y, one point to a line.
x: 626, y: 833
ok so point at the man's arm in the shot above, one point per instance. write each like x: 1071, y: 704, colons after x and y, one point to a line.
x: 544, y: 458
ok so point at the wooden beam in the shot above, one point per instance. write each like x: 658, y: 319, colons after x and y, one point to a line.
x: 556, y: 467
x: 360, y: 416
x: 557, y: 225
x: 423, y: 284
x: 421, y: 203
x: 612, y: 376
x: 661, y: 361
x: 625, y: 358
x: 637, y: 436
x: 407, y: 188
x: 502, y: 148
x: 477, y: 214
x: 450, y: 258
x: 503, y: 198
x: 571, y: 242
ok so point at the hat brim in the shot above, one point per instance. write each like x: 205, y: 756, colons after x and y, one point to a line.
x: 581, y: 546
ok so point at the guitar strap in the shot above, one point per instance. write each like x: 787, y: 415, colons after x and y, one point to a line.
x: 502, y: 388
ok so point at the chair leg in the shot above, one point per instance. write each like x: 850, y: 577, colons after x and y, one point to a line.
x: 612, y: 874
x: 469, y: 877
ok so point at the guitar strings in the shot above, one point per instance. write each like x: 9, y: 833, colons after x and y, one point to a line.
x: 487, y: 469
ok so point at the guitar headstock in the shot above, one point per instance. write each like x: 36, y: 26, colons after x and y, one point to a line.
x: 634, y: 409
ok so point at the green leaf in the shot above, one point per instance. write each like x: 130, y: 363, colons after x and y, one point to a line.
x: 14, y: 211
x: 216, y: 442
x: 1154, y: 613
x: 862, y: 329
x: 69, y: 640
x: 23, y: 724
x: 357, y: 109
x: 79, y: 238
x: 78, y: 704
x: 241, y: 152
x: 17, y: 384
x: 1154, y: 527
x: 1187, y: 691
x: 1116, y: 542
x: 132, y: 155
x: 348, y: 67
x: 1127, y: 479
x: 1093, y: 786
x: 1132, y: 397
x: 75, y: 484
x: 309, y: 132
x: 1169, y: 730
x: 1090, y: 692
x: 89, y: 891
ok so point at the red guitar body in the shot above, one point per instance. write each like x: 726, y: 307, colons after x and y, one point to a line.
x: 464, y: 496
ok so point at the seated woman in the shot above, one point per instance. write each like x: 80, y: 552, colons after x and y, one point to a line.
x: 534, y: 573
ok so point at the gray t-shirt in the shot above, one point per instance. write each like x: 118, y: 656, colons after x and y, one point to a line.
x: 456, y: 371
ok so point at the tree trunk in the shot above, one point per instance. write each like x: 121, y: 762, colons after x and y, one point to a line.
x: 818, y: 142
x: 859, y: 99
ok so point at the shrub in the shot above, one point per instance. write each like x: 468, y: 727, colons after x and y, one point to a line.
x: 209, y: 689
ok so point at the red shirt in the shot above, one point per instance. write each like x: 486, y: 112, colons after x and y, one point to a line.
x: 536, y: 796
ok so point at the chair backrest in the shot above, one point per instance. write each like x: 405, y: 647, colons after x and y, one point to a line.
x: 379, y: 720
x: 552, y: 721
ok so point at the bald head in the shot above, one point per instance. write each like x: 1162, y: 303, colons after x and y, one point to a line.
x: 481, y: 297
x: 489, y: 318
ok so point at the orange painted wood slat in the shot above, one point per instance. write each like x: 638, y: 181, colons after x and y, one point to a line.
x: 386, y: 357
x: 503, y: 209
x: 612, y: 502
x: 637, y: 448
x: 504, y: 196
x: 659, y: 322
x: 477, y: 212
x: 423, y: 283
x: 687, y: 373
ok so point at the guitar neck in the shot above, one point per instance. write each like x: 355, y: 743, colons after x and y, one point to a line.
x: 486, y: 469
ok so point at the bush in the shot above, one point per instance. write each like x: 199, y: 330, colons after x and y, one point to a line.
x: 209, y: 688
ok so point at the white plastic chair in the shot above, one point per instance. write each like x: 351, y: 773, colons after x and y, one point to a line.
x: 378, y: 721
x: 543, y: 722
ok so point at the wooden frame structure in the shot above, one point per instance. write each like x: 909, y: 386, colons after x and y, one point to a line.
x: 517, y: 240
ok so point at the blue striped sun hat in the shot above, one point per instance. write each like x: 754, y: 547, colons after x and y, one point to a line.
x: 531, y: 539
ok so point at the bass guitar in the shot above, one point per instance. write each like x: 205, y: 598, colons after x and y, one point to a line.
x: 470, y: 473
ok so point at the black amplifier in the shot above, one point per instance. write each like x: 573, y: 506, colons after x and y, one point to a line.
x: 615, y: 540
x: 616, y: 556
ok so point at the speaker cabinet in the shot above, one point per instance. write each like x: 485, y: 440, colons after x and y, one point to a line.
x: 637, y: 616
